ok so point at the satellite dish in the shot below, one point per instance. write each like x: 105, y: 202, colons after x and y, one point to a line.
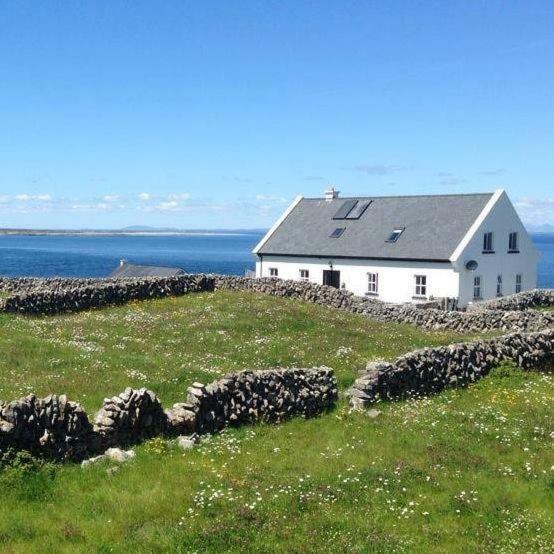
x: 472, y: 265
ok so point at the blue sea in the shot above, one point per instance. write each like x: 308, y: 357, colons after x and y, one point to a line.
x: 96, y: 256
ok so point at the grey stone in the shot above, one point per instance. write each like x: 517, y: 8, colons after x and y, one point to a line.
x: 187, y: 442
x: 119, y: 455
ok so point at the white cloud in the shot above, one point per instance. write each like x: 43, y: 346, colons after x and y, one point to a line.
x: 33, y: 197
x: 269, y: 198
x: 183, y: 196
x: 535, y: 211
x: 144, y: 196
x: 171, y: 205
x: 111, y: 198
x: 380, y: 169
x: 91, y: 207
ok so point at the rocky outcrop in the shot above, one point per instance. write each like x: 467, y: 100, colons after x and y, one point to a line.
x: 57, y: 428
x: 433, y: 369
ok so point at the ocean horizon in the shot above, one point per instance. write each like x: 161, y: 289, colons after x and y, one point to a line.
x: 96, y: 254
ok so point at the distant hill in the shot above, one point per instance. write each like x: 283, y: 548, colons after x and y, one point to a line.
x: 148, y: 229
x: 138, y: 229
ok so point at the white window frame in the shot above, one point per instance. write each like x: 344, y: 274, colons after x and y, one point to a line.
x: 274, y: 272
x: 477, y: 286
x: 488, y: 242
x: 304, y: 274
x: 420, y: 286
x: 513, y: 240
x: 519, y: 282
x: 373, y: 283
x: 499, y: 285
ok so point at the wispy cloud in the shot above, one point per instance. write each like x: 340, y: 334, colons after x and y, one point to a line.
x: 380, y: 169
x: 179, y: 197
x: 493, y: 172
x: 271, y: 199
x: 170, y: 205
x: 453, y: 180
x: 536, y: 211
x: 266, y: 205
x: 33, y: 197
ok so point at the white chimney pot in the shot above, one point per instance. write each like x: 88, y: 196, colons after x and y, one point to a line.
x: 331, y: 194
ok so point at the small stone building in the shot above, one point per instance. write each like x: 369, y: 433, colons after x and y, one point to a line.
x: 125, y: 270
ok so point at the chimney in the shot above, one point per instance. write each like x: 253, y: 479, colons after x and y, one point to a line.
x: 331, y: 194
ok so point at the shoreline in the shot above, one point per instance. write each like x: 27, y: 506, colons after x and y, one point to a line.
x: 92, y: 233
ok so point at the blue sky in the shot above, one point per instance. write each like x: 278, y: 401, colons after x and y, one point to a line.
x: 216, y: 114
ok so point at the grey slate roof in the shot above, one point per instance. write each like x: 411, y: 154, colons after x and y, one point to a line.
x: 126, y: 270
x: 434, y: 226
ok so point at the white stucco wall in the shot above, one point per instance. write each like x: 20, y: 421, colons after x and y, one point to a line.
x: 501, y: 221
x: 396, y: 279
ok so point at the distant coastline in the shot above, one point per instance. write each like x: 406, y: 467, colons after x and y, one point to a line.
x: 130, y: 231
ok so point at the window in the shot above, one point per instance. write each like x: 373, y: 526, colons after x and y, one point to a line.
x: 393, y: 237
x: 358, y: 210
x: 512, y: 243
x: 373, y: 283
x: 518, y: 282
x: 487, y: 243
x: 273, y: 272
x: 337, y: 232
x: 352, y: 209
x: 499, y: 285
x: 477, y: 295
x: 345, y: 209
x: 304, y: 274
x: 421, y: 285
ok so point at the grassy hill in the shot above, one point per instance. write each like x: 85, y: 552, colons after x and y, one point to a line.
x: 463, y: 471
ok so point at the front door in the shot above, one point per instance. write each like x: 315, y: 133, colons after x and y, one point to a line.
x: 331, y: 278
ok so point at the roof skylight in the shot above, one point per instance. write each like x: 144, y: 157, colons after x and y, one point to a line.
x: 345, y: 209
x: 337, y: 232
x: 394, y: 236
x: 358, y: 210
x: 352, y: 209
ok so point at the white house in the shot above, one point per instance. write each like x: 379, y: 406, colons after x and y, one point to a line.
x: 467, y: 247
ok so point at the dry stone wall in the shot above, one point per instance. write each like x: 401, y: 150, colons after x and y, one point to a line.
x: 52, y: 296
x: 428, y: 318
x: 53, y: 426
x: 433, y: 369
x: 57, y: 428
x: 28, y: 284
x: 270, y: 396
x: 42, y: 297
x: 520, y: 301
x: 130, y: 417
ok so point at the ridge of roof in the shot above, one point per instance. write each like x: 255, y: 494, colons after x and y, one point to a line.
x: 462, y: 194
x: 151, y: 265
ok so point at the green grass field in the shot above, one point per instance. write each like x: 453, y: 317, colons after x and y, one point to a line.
x: 464, y: 471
